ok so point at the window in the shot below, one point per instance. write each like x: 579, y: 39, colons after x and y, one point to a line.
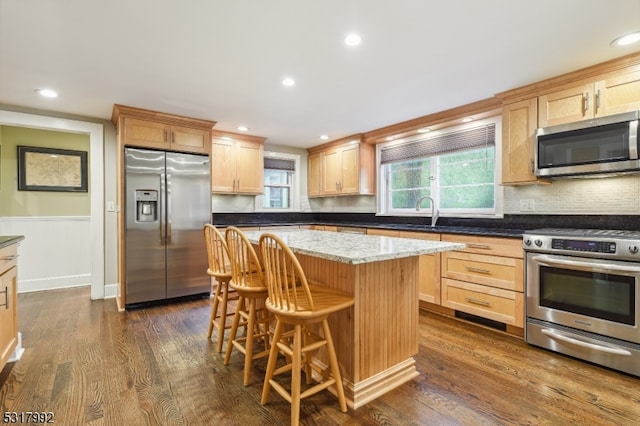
x: 456, y: 169
x: 280, y: 182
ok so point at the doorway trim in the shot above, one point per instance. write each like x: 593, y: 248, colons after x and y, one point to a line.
x: 96, y: 167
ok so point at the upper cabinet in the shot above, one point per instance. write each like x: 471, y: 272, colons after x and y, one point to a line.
x: 342, y: 167
x: 519, y: 122
x: 151, y: 129
x: 604, y: 89
x: 617, y: 93
x: 314, y: 174
x: 237, y: 163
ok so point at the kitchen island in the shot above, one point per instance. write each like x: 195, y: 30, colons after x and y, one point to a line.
x: 377, y: 337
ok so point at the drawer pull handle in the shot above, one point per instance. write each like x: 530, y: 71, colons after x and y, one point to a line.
x: 478, y: 270
x: 479, y: 246
x: 12, y: 257
x: 477, y: 301
x: 6, y: 297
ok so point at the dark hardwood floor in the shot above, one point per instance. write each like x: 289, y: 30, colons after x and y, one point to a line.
x: 89, y: 364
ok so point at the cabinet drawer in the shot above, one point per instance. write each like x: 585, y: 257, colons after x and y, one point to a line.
x: 495, y: 246
x: 495, y: 271
x: 497, y: 304
x: 8, y: 258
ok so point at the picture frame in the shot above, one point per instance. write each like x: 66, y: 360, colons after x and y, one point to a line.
x: 52, y: 169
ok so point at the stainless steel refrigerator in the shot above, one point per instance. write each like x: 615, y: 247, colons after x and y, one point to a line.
x: 168, y: 201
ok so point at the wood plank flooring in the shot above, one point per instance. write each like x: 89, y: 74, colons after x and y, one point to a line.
x: 89, y: 364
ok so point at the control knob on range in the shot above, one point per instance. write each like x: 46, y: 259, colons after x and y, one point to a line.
x: 633, y: 249
x: 527, y: 242
x: 538, y: 243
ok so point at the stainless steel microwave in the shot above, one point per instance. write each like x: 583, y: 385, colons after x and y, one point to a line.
x: 600, y: 145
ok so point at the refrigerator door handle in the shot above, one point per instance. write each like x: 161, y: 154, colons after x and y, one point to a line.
x: 163, y: 208
x: 168, y: 192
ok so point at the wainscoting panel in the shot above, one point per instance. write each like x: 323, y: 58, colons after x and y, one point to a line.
x: 56, y: 251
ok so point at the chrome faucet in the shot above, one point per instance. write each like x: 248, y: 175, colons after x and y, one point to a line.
x: 435, y: 213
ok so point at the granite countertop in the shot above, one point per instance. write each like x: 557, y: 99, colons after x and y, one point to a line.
x: 7, y: 240
x: 354, y: 248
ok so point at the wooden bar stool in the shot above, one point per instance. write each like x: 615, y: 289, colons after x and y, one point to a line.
x: 247, y: 280
x: 296, y: 303
x: 220, y: 270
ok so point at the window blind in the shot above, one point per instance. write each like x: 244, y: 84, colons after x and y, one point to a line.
x: 449, y: 142
x: 279, y: 164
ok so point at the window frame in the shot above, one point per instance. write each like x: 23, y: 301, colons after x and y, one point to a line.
x: 383, y: 198
x: 294, y: 189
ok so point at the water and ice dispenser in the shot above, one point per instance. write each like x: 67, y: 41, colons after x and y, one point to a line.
x: 146, y: 206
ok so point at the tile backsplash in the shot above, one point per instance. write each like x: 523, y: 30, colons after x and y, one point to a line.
x: 615, y: 195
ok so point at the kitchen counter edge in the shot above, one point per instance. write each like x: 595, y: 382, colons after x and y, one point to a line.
x: 7, y: 240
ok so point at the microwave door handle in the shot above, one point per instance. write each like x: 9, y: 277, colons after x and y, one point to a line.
x: 555, y: 335
x: 633, y: 139
x: 590, y: 265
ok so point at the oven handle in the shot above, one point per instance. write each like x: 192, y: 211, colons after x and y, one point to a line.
x: 555, y: 335
x: 590, y: 264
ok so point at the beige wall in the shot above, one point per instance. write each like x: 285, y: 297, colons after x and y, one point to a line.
x: 37, y: 203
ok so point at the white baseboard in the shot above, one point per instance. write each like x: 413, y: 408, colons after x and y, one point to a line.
x: 53, y: 283
x: 111, y: 291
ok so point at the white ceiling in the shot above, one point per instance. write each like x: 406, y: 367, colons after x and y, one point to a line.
x: 225, y: 60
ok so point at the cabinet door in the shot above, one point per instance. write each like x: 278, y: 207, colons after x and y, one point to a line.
x: 314, y: 175
x: 223, y: 173
x: 332, y: 169
x: 519, y: 123
x: 8, y: 315
x: 429, y: 282
x: 249, y: 158
x: 618, y: 94
x: 147, y: 134
x: 566, y: 106
x: 190, y: 140
x: 350, y: 170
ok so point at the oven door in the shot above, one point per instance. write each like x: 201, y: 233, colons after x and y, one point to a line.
x: 597, y: 296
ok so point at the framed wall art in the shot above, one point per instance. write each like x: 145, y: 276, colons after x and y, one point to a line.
x: 51, y: 169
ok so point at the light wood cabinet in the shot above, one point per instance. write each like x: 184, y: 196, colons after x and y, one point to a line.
x: 314, y: 174
x: 429, y: 269
x: 237, y: 163
x: 485, y: 279
x: 613, y: 94
x: 156, y: 130
x: 519, y: 123
x: 428, y: 264
x: 343, y: 167
x: 8, y: 302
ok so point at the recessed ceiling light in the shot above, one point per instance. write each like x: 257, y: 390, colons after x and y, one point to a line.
x: 424, y: 130
x: 47, y: 93
x: 324, y: 137
x: 626, y: 40
x: 243, y: 128
x: 288, y: 81
x: 467, y: 119
x: 352, y: 39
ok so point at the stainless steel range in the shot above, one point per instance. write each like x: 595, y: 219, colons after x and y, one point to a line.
x: 582, y: 288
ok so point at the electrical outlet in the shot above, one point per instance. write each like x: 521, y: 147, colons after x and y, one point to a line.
x: 527, y: 205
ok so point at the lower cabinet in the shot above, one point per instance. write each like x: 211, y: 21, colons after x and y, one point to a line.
x: 485, y: 279
x: 429, y: 264
x: 8, y: 303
